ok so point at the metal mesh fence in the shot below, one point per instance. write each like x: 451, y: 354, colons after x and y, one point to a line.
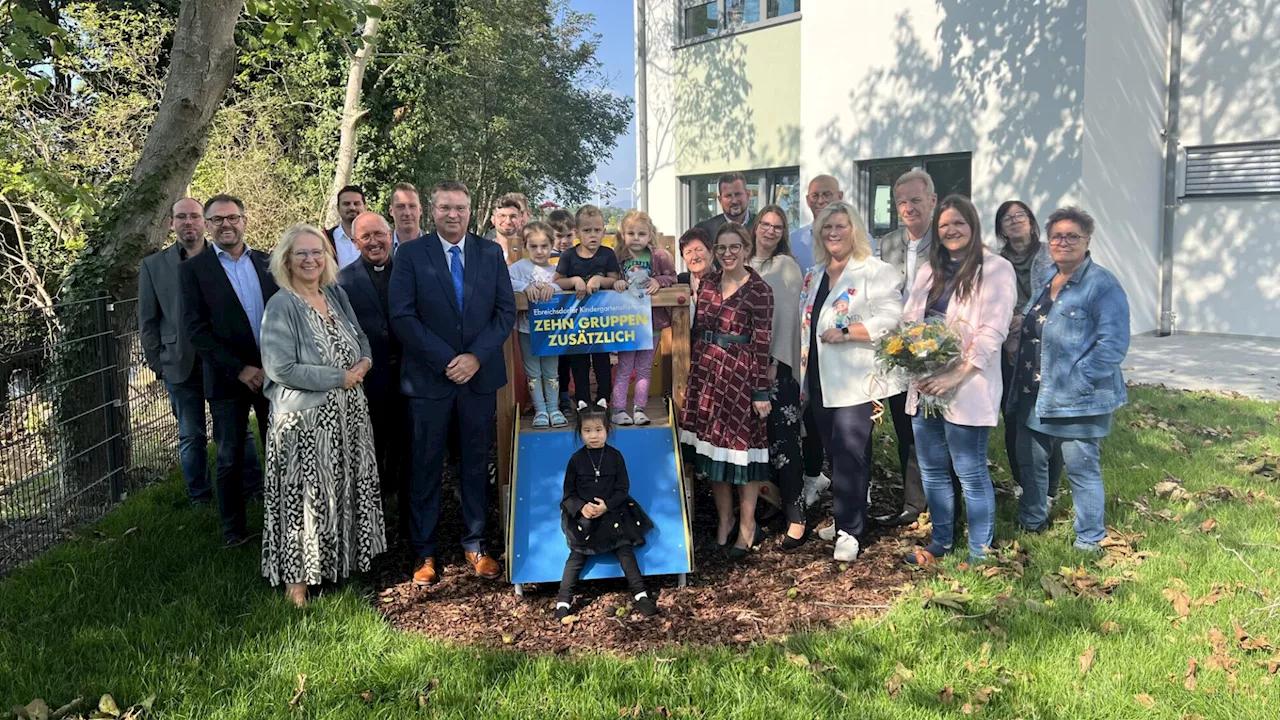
x: 83, y: 422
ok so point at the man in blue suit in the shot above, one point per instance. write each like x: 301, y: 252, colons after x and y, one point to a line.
x: 452, y: 309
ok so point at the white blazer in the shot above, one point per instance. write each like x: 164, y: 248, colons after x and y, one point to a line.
x: 872, y: 290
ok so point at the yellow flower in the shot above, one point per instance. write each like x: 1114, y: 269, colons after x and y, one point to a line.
x: 916, y: 331
x: 931, y: 344
x: 895, y: 345
x: 915, y: 348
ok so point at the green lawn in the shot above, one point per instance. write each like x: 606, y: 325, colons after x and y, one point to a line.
x: 162, y: 610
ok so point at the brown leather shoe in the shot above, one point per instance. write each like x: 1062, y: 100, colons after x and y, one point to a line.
x: 485, y: 566
x: 426, y: 574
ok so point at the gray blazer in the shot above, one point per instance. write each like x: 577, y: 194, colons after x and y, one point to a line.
x: 164, y: 342
x: 297, y: 376
x: 894, y: 247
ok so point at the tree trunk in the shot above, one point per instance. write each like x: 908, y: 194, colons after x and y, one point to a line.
x: 351, y: 116
x: 202, y: 65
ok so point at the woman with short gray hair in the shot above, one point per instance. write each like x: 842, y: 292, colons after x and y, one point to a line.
x: 322, y: 509
x: 1067, y: 381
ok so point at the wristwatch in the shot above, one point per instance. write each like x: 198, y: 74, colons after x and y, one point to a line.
x: 844, y: 330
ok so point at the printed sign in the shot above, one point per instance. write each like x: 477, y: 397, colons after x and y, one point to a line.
x: 607, y: 321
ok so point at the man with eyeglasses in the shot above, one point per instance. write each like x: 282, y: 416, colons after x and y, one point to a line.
x: 224, y: 294
x: 735, y: 201
x: 169, y: 353
x: 510, y: 215
x: 368, y: 284
x: 350, y: 204
x: 452, y: 308
x: 823, y: 190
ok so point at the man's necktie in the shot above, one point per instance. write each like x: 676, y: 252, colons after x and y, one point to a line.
x: 455, y: 269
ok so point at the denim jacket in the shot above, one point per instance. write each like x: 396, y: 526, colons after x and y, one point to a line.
x: 1083, y: 343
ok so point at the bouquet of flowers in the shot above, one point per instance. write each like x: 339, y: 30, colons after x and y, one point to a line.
x: 921, y: 349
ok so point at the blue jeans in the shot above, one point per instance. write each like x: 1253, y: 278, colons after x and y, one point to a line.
x: 940, y: 446
x: 186, y: 400
x: 543, y: 375
x: 1083, y: 458
x: 231, y: 433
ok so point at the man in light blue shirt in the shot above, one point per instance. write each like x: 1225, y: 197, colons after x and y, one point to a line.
x: 243, y: 275
x: 823, y: 190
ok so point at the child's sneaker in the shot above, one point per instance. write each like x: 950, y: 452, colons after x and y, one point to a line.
x: 621, y: 418
x: 541, y: 420
x: 558, y: 419
x: 639, y: 417
x: 646, y: 606
x: 562, y: 611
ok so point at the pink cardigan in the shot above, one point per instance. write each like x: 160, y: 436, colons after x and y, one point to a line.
x: 982, y: 321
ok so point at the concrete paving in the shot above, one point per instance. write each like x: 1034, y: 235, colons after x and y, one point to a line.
x: 1247, y: 365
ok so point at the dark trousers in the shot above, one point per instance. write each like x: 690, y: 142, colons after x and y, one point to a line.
x: 581, y: 366
x: 846, y: 433
x: 231, y: 433
x: 573, y: 568
x: 563, y: 373
x: 389, y: 415
x: 431, y: 417
x: 1013, y: 428
x: 186, y: 400
x: 912, y: 486
x: 811, y: 444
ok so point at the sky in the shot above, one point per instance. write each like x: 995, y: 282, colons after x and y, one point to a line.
x: 614, y: 23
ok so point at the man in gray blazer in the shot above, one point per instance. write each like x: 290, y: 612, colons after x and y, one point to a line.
x: 169, y: 353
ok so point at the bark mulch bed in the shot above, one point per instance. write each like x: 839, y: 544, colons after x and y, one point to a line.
x: 767, y: 595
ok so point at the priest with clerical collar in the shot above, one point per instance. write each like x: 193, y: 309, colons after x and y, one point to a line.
x: 367, y: 283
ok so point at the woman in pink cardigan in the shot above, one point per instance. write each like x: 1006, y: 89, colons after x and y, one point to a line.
x: 974, y: 290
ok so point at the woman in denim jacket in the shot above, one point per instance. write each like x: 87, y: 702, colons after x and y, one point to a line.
x: 1075, y: 333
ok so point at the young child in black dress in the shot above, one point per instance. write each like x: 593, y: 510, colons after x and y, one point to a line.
x: 597, y: 513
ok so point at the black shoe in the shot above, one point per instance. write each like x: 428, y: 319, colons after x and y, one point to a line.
x: 562, y: 612
x: 646, y: 607
x: 906, y: 517
x: 234, y: 541
x: 789, y: 543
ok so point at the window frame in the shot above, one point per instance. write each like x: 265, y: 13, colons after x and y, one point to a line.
x: 725, y: 30
x: 865, y: 190
x: 766, y: 179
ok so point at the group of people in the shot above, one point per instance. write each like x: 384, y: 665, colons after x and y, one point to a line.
x: 784, y: 372
x: 369, y: 352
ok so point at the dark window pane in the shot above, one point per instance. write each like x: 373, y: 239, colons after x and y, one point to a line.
x: 884, y: 215
x: 774, y: 8
x: 700, y: 21
x: 949, y: 176
x: 704, y: 203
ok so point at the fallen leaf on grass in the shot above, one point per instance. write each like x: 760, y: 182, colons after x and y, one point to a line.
x: 297, y: 694
x: 1189, y: 678
x: 1177, y: 446
x: 1053, y: 586
x: 1181, y: 602
x: 1086, y: 661
x: 979, y: 699
x: 1145, y: 700
x: 947, y: 695
x: 1248, y: 643
x: 901, y: 675
x: 1221, y: 657
x: 1272, y: 664
x: 799, y: 660
x: 424, y: 696
x: 367, y: 696
x: 1111, y: 628
x: 958, y: 601
x: 1208, y: 525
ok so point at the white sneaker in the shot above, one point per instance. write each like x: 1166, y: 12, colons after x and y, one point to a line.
x: 621, y: 418
x: 847, y: 547
x: 827, y: 533
x: 639, y: 416
x: 814, y: 486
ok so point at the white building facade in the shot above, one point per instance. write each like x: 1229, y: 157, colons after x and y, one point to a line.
x: 1050, y: 102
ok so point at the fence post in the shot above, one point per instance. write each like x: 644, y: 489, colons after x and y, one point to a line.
x: 108, y: 365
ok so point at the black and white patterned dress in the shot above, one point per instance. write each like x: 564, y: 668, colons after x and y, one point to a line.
x: 322, y: 508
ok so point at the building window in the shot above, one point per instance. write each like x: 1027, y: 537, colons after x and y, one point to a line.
x: 950, y: 173
x: 703, y: 19
x: 778, y: 185
x: 1231, y: 170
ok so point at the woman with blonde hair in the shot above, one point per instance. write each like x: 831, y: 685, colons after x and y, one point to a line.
x: 849, y: 300
x: 322, y: 510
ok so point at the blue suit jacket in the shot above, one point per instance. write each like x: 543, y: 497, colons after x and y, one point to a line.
x: 426, y: 318
x: 376, y: 324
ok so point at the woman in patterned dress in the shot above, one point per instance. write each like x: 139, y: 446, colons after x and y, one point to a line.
x: 723, y: 419
x: 774, y: 262
x: 322, y: 510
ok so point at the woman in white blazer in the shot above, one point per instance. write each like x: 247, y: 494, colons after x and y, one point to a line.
x: 849, y: 300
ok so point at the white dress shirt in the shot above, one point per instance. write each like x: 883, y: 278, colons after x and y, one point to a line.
x: 462, y: 245
x: 912, y: 254
x: 802, y: 247
x: 347, y: 252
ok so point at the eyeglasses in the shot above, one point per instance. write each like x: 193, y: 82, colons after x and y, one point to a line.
x: 1014, y: 217
x: 446, y: 209
x: 376, y: 234
x: 183, y: 217
x: 225, y: 219
x: 1067, y: 239
x: 729, y: 249
x: 304, y: 254
x: 770, y: 227
x: 825, y: 195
